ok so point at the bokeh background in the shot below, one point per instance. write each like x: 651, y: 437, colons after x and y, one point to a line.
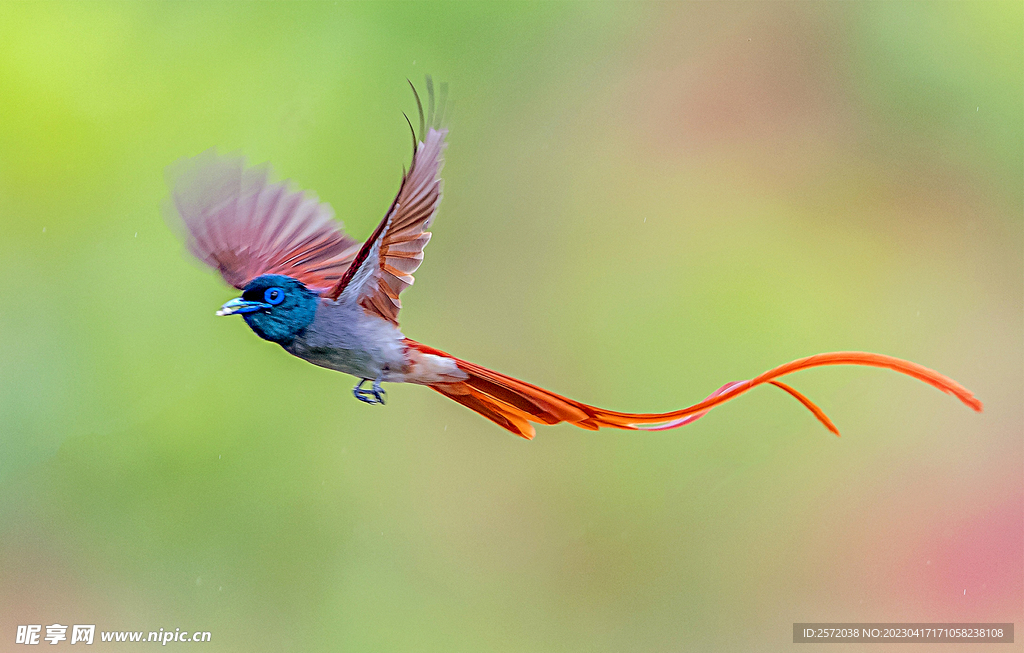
x: 643, y: 201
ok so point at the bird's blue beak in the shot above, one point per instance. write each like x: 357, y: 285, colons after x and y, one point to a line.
x: 239, y: 305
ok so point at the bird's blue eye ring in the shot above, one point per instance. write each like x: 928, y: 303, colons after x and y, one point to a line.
x: 273, y: 296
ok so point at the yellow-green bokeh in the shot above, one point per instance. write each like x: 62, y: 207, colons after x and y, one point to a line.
x: 643, y: 201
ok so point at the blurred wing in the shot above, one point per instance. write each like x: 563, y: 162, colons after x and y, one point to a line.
x: 384, y: 266
x: 240, y: 224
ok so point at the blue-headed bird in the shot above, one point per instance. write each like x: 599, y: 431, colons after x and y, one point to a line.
x: 334, y: 302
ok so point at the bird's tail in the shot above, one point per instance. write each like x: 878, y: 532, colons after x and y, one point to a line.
x: 514, y: 404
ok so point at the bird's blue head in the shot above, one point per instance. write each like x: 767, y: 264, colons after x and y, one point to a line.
x: 276, y: 307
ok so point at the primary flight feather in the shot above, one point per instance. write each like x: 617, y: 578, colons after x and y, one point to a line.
x: 334, y: 302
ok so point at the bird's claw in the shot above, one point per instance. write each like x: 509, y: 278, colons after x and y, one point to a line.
x: 375, y: 395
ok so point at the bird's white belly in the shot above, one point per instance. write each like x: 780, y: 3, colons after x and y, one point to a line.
x: 344, y: 338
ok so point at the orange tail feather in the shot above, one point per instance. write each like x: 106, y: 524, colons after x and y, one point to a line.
x: 514, y: 404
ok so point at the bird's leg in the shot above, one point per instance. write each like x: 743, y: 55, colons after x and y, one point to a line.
x: 363, y: 395
x: 378, y: 392
x: 375, y: 395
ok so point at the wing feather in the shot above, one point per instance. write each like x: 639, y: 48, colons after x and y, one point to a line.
x: 239, y: 223
x: 387, y: 261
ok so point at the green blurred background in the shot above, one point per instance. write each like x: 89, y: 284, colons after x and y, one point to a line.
x: 642, y: 202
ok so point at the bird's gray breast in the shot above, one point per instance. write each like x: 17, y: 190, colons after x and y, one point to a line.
x: 345, y: 338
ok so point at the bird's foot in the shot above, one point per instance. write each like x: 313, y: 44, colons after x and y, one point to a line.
x: 375, y: 395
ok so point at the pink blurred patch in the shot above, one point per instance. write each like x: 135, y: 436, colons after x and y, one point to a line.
x: 973, y: 569
x: 767, y: 75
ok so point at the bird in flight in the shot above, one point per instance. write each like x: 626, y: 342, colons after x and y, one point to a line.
x: 334, y: 302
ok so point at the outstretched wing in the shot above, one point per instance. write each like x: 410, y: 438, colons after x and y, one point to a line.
x: 240, y: 224
x: 384, y: 266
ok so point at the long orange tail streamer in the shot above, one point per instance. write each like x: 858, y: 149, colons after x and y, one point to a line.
x: 513, y: 404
